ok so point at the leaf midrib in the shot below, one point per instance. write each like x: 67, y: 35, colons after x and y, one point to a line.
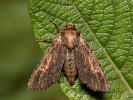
x: 108, y: 57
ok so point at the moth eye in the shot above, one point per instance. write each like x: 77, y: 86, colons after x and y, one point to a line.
x: 74, y: 25
x: 66, y: 25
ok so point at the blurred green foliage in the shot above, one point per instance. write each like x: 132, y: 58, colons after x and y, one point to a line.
x: 19, y: 55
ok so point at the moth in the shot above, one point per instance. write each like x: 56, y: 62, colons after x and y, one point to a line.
x: 71, y: 53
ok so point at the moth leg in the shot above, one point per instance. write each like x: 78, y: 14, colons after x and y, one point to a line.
x: 48, y: 40
x: 56, y: 25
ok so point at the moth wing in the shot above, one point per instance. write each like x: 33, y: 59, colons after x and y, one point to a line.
x: 49, y: 68
x: 90, y: 70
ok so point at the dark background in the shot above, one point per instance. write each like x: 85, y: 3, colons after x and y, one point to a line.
x: 19, y: 55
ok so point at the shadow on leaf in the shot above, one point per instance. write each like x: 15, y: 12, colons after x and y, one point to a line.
x: 94, y: 94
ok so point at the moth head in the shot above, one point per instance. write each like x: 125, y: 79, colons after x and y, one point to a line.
x: 70, y: 25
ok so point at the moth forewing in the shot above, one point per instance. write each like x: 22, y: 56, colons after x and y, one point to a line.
x: 90, y: 70
x: 49, y: 68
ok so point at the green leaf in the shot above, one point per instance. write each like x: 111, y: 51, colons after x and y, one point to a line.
x: 108, y: 31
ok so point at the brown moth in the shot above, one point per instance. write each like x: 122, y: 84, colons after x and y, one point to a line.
x: 70, y: 52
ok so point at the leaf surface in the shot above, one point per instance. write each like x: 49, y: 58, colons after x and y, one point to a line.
x: 108, y: 31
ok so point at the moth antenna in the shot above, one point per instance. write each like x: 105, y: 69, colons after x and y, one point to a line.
x: 84, y: 14
x: 55, y: 14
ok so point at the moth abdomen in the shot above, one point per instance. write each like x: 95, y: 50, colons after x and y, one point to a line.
x: 70, y: 67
